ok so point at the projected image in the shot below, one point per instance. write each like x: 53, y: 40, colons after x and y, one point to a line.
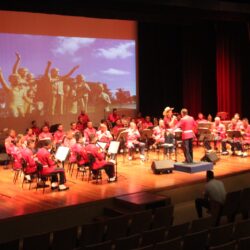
x: 55, y: 76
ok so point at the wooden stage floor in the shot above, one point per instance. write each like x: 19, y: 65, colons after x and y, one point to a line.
x: 133, y: 176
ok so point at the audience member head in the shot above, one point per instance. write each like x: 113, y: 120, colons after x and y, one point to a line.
x: 210, y: 175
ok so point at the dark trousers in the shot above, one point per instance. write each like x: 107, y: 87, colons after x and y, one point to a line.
x: 61, y: 173
x: 188, y: 150
x: 108, y: 168
x: 199, y: 204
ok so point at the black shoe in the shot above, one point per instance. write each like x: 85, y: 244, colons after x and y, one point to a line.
x: 54, y: 188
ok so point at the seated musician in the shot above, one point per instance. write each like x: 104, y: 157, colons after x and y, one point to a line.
x: 237, y: 119
x: 75, y: 147
x: 233, y: 142
x: 103, y: 135
x: 113, y: 117
x: 88, y: 131
x: 10, y: 141
x: 133, y: 141
x: 200, y: 118
x: 59, y: 135
x: 147, y: 123
x: 34, y: 127
x: 159, y: 134
x: 51, y: 167
x: 118, y: 126
x: 29, y: 157
x: 29, y: 136
x: 69, y: 140
x: 245, y: 131
x: 99, y: 162
x: 218, y: 132
x: 15, y: 152
x: 73, y: 128
x: 45, y: 134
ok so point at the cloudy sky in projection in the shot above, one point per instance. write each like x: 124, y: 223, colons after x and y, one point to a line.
x: 109, y: 61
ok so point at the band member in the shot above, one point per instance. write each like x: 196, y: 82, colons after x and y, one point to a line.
x: 117, y: 128
x: 73, y: 128
x: 113, y: 117
x: 99, y: 162
x: 28, y: 156
x: 200, y: 118
x: 69, y: 140
x: 35, y: 129
x: 234, y: 125
x: 59, y: 135
x: 57, y: 83
x: 147, y: 123
x: 83, y: 118
x: 103, y: 135
x: 187, y: 124
x: 170, y: 120
x: 159, y: 134
x: 133, y: 142
x: 218, y: 131
x: 45, y: 134
x: 29, y: 136
x: 237, y: 119
x: 88, y: 131
x: 16, y: 153
x: 10, y: 141
x: 245, y: 131
x: 75, y: 148
x: 51, y: 167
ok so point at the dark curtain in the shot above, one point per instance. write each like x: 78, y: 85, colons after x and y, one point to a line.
x: 160, y: 68
x: 229, y: 66
x: 199, y: 82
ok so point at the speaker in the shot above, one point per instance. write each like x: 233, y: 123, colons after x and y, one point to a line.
x: 210, y: 157
x: 162, y: 167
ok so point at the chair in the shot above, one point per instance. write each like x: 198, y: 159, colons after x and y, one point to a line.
x: 244, y: 207
x: 33, y: 176
x: 42, y: 177
x: 98, y: 176
x: 153, y: 236
x: 163, y: 216
x: 64, y: 239
x: 127, y: 243
x: 242, y: 229
x: 221, y: 235
x: 231, y: 206
x: 174, y: 244
x: 117, y: 227
x: 150, y: 247
x: 10, y: 245
x: 37, y: 242
x: 201, y: 224
x: 92, y: 233
x: 178, y: 231
x: 141, y: 221
x: 244, y: 243
x: 107, y: 245
x: 195, y: 240
x: 228, y: 246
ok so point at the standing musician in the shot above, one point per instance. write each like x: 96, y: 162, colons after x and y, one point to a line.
x: 170, y: 120
x: 187, y: 124
x: 133, y: 142
x: 113, y: 117
x: 99, y: 161
x: 51, y: 167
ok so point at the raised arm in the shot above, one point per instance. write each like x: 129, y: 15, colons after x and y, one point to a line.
x: 17, y: 63
x: 70, y: 73
x: 46, y: 72
x: 3, y: 82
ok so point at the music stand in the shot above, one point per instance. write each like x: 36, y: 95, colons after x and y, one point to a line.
x: 113, y: 150
x: 61, y: 154
x: 146, y: 134
x: 207, y: 125
x: 101, y: 145
x: 234, y: 134
x: 203, y: 133
x: 122, y: 135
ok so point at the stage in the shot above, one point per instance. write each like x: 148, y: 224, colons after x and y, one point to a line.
x: 133, y: 176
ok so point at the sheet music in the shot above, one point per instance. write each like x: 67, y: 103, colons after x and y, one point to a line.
x: 62, y: 153
x: 113, y: 147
